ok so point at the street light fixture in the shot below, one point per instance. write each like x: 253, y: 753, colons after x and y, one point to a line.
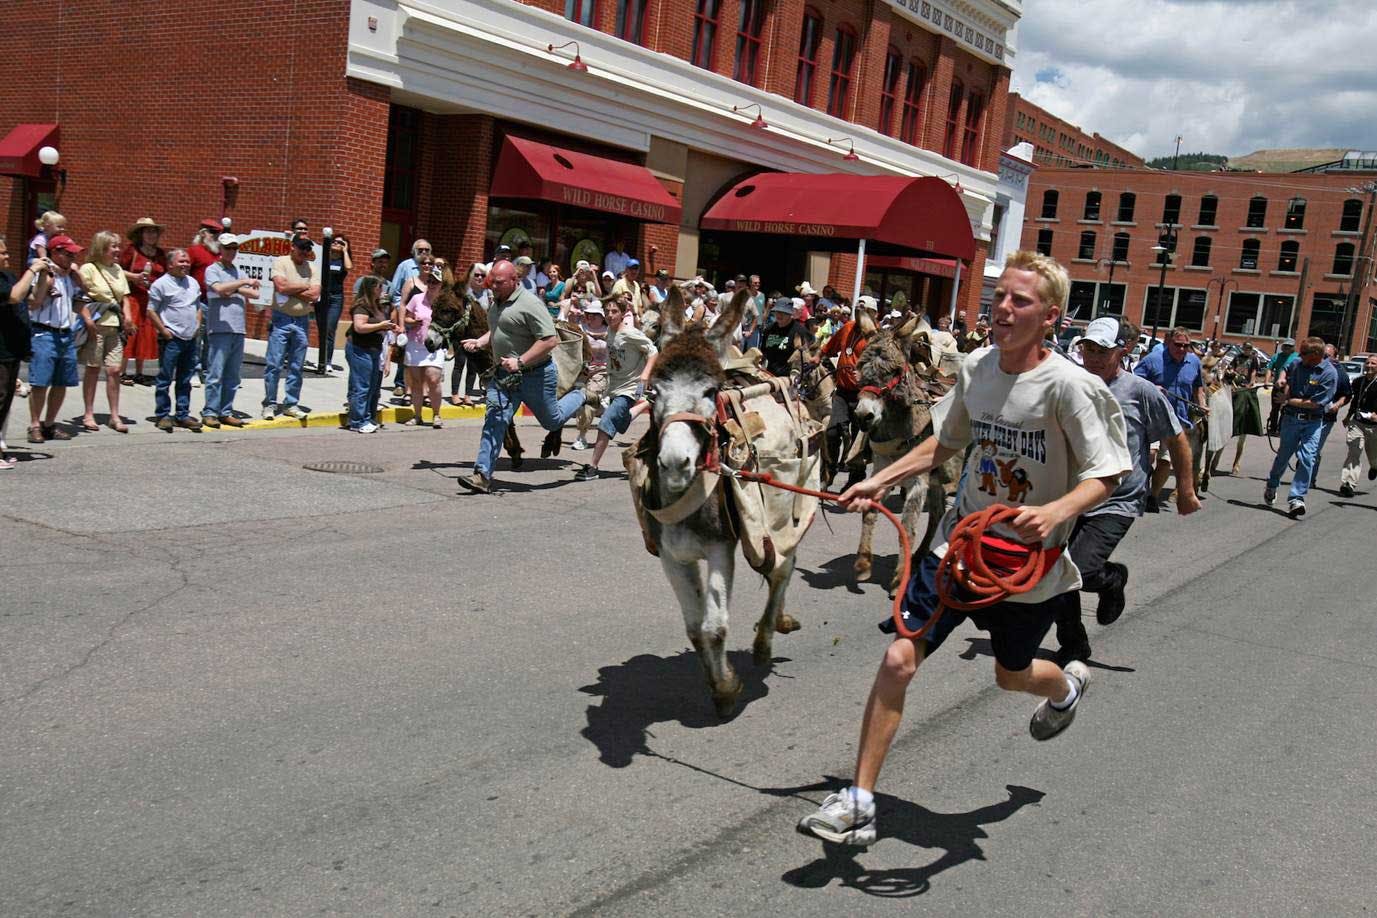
x: 850, y: 156
x: 1223, y: 283
x: 1163, y: 249
x: 759, y: 122
x: 577, y: 65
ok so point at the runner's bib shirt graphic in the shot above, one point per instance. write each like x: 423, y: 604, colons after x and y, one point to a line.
x: 1036, y: 435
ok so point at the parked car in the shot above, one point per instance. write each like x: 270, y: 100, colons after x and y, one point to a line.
x: 1353, y: 367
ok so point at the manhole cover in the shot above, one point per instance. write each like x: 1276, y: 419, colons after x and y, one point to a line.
x: 344, y: 468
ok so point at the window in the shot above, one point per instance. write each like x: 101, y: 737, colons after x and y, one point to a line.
x: 1200, y: 255
x: 1256, y: 314
x: 748, y: 31
x: 807, y: 57
x: 1049, y: 204
x: 1092, y: 206
x: 958, y: 92
x: 889, y: 90
x: 580, y: 11
x: 1353, y: 215
x: 913, y: 102
x: 1155, y: 315
x: 1327, y: 317
x: 631, y: 21
x: 1045, y: 241
x: 1120, y: 247
x: 970, y: 144
x: 1190, y: 309
x: 1127, y: 201
x: 1183, y: 306
x: 1257, y: 213
x: 1086, y: 250
x: 1290, y: 251
x: 1089, y: 300
x: 1167, y: 243
x: 1209, y: 210
x: 839, y: 85
x: 1295, y: 214
x: 705, y: 33
x: 1343, y: 259
x: 1171, y: 209
x: 1248, y: 260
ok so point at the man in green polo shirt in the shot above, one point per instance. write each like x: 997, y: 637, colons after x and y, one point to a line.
x: 522, y: 336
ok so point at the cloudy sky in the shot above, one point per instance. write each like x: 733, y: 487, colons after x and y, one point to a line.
x: 1230, y: 76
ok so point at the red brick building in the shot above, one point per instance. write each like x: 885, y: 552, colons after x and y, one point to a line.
x: 389, y: 121
x: 1057, y: 142
x: 1255, y: 255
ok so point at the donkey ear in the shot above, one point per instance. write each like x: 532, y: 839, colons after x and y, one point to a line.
x: 672, y: 315
x: 729, y: 319
x: 903, y: 331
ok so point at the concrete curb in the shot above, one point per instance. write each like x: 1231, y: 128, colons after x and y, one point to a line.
x: 392, y: 414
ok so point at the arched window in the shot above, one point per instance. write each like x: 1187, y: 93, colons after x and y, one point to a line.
x: 839, y: 84
x: 1086, y: 250
x: 1121, y: 241
x: 958, y: 92
x: 1290, y: 252
x: 913, y: 102
x: 1171, y: 209
x: 1353, y: 215
x: 1247, y: 261
x: 1092, y: 206
x: 1209, y: 210
x: 1257, y: 212
x: 1295, y: 213
x: 1127, y: 202
x: 809, y: 41
x: 1049, y: 204
x: 1045, y: 241
x: 1343, y: 259
x: 889, y: 89
x: 1200, y: 255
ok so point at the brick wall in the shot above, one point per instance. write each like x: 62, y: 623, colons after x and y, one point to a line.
x: 1049, y: 149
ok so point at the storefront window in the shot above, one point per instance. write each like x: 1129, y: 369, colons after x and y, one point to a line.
x: 510, y: 226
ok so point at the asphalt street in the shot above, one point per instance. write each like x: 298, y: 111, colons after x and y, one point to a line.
x: 233, y: 686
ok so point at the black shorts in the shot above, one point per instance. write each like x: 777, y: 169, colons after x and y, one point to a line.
x: 1016, y: 629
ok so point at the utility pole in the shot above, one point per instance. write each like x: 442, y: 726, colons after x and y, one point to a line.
x: 1176, y: 159
x: 1164, y: 251
x: 1360, y: 269
x: 1300, y: 298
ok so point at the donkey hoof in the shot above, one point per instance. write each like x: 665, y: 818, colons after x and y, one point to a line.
x: 862, y: 569
x: 762, y: 653
x: 725, y: 699
x: 786, y: 623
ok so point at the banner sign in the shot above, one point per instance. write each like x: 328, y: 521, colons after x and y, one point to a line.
x: 257, y: 252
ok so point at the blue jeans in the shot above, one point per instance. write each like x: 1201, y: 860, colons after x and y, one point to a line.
x: 537, y: 391
x: 1326, y: 426
x: 176, y: 363
x: 327, y: 320
x: 365, y: 383
x: 286, y: 340
x: 1301, y: 439
x: 224, y: 359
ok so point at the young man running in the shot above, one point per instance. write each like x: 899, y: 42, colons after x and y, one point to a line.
x: 630, y: 359
x: 1057, y: 436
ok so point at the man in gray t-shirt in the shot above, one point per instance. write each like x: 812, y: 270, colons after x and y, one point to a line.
x: 227, y: 291
x: 1148, y: 417
x: 174, y: 306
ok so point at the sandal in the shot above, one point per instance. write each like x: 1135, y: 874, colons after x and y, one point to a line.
x: 117, y: 425
x: 53, y: 432
x: 35, y: 433
x: 90, y: 425
x: 126, y: 380
x: 7, y: 463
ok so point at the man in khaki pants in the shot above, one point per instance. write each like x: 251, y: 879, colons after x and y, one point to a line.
x: 1362, y: 429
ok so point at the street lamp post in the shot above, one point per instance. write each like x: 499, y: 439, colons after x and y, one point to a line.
x: 1163, y: 250
x: 1223, y: 283
x: 1104, y: 303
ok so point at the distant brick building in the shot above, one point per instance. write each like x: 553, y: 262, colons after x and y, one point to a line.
x: 1260, y: 256
x: 1057, y: 142
x: 391, y: 122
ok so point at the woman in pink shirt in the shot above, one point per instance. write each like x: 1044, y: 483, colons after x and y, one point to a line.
x: 425, y: 368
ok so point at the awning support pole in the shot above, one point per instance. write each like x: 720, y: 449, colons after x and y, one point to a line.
x: 860, y: 273
x: 955, y: 286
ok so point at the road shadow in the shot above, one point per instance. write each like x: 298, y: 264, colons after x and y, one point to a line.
x: 981, y: 647
x: 956, y: 835
x: 838, y: 572
x: 1349, y: 503
x: 1249, y: 505
x: 647, y: 690
x: 26, y: 454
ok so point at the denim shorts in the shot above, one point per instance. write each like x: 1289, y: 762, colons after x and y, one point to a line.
x: 1016, y: 629
x: 54, y: 361
x: 616, y: 417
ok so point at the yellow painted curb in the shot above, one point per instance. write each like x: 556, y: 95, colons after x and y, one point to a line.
x: 392, y: 414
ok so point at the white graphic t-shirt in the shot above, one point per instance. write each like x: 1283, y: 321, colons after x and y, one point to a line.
x: 1036, y: 435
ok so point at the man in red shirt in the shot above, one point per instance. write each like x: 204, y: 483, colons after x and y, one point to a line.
x: 204, y: 251
x: 846, y: 346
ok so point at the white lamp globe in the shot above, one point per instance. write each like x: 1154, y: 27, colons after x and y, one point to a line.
x: 48, y: 156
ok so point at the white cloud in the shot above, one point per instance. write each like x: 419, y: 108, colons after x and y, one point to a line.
x: 1229, y: 76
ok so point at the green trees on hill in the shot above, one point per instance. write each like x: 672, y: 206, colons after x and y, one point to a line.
x: 1190, y: 162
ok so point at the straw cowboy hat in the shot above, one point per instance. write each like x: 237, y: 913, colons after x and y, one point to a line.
x: 140, y: 225
x: 806, y: 289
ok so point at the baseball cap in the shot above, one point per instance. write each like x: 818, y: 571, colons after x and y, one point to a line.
x: 523, y: 260
x: 210, y: 223
x: 504, y: 248
x: 227, y: 239
x: 783, y: 304
x: 581, y: 266
x: 595, y: 308
x: 730, y: 285
x: 609, y: 274
x: 1104, y: 331
x: 633, y: 263
x: 381, y: 253
x: 663, y: 272
x: 868, y: 302
x: 302, y: 242
x: 65, y: 243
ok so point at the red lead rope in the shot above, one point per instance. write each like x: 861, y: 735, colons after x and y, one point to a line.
x: 975, y: 578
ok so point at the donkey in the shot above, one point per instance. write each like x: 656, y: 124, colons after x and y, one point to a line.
x: 684, y: 386
x: 894, y: 410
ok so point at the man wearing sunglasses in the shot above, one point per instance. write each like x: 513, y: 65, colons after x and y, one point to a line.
x: 1176, y: 371
x: 1147, y: 418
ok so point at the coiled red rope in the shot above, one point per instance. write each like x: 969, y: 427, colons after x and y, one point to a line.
x: 974, y: 577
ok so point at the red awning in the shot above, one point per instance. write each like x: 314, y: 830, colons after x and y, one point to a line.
x: 939, y: 267
x: 526, y: 169
x: 924, y: 215
x: 19, y: 149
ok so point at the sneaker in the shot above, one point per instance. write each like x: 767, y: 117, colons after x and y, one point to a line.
x: 587, y: 473
x: 476, y: 483
x: 437, y: 424
x: 370, y: 427
x: 230, y: 420
x: 841, y: 820
x: 189, y: 424
x: 269, y: 412
x: 1347, y: 491
x: 210, y: 421
x: 197, y: 382
x: 23, y: 392
x: 1153, y: 504
x: 1269, y: 496
x: 1066, y: 655
x: 1047, y: 721
x: 165, y: 423
x: 296, y: 412
x: 1295, y: 509
x: 579, y: 443
x: 1111, y: 604
x: 1372, y: 473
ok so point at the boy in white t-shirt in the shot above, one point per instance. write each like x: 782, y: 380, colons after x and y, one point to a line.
x: 1049, y: 438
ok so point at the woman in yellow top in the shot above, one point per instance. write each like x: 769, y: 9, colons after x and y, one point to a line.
x: 106, y: 317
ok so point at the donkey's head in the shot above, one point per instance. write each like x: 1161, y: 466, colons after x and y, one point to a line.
x: 687, y: 376
x: 886, y: 378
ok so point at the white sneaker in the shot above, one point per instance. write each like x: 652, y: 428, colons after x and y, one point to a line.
x: 840, y: 820
x: 1048, y: 721
x: 196, y: 382
x: 368, y: 428
x: 579, y: 443
x: 269, y: 412
x: 294, y: 411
